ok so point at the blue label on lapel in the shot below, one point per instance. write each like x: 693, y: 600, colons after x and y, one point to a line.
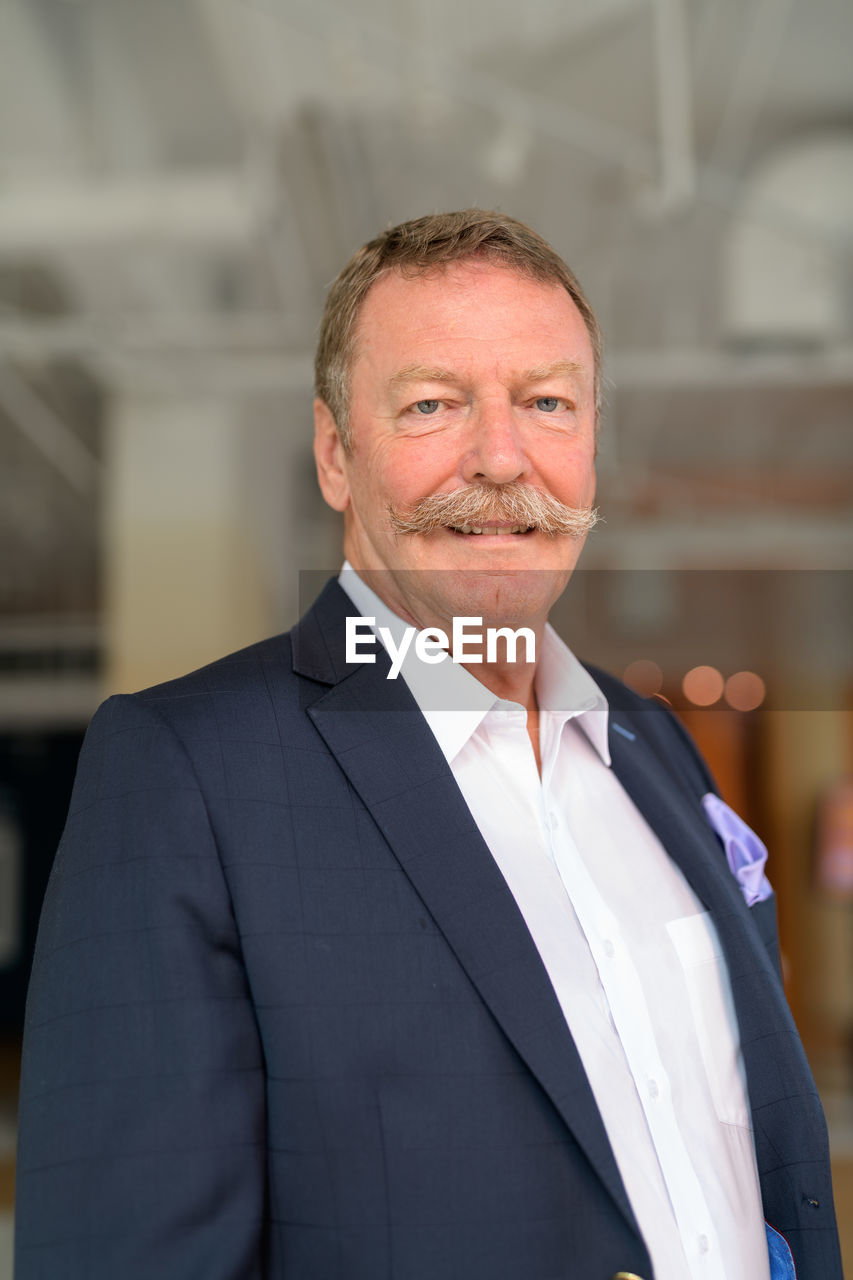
x: 626, y: 733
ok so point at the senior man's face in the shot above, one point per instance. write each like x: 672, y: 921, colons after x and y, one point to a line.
x: 471, y: 381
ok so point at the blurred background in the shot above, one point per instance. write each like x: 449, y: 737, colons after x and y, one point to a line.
x: 180, y: 180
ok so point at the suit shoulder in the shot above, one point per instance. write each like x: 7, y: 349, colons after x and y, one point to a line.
x: 231, y: 687
x: 242, y: 669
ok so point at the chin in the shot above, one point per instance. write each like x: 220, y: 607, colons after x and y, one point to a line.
x: 500, y: 596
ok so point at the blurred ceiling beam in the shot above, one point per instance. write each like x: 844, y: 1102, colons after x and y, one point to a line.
x: 195, y: 208
x: 457, y: 80
x: 46, y: 432
x: 231, y: 33
x: 236, y: 43
x: 39, y: 127
x: 766, y: 23
x: 675, y: 107
x: 704, y: 369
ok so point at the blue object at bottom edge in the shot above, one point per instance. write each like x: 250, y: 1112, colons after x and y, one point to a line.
x: 781, y: 1260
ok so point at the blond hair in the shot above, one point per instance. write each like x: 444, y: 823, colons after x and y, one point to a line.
x: 414, y: 248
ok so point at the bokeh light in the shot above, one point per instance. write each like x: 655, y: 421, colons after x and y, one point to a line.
x: 745, y: 691
x: 703, y: 686
x: 643, y: 676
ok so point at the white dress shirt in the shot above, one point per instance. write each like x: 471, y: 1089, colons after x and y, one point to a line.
x: 634, y: 961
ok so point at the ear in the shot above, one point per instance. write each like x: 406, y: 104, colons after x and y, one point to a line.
x: 330, y: 458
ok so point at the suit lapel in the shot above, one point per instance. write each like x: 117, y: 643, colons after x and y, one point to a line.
x: 380, y: 739
x: 672, y: 815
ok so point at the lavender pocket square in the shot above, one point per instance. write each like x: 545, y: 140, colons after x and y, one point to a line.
x: 746, y: 854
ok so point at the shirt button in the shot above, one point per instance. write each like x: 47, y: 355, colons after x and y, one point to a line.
x: 609, y: 949
x: 553, y: 821
x: 653, y: 1093
x: 704, y: 1245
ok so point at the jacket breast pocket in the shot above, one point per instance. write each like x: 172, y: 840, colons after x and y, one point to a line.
x: 709, y: 997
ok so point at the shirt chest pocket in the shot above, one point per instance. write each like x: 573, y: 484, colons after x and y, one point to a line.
x: 711, y: 1006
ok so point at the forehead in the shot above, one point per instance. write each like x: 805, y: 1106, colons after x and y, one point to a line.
x: 469, y: 311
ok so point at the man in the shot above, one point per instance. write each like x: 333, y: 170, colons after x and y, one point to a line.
x: 442, y: 975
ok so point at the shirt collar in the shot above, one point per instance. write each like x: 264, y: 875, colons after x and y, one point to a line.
x: 454, y: 703
x: 565, y: 689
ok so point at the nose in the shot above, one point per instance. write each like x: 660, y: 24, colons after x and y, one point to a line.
x: 496, y: 451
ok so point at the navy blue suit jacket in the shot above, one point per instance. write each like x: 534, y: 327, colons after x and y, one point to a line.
x: 286, y: 1020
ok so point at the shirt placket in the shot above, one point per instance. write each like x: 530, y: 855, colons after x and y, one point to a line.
x: 629, y: 1011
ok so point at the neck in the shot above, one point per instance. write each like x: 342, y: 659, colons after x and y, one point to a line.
x: 515, y: 682
x: 510, y: 674
x: 510, y: 680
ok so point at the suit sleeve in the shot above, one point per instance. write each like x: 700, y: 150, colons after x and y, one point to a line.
x: 141, y: 1147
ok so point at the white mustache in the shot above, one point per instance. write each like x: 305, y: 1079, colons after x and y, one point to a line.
x: 486, y: 505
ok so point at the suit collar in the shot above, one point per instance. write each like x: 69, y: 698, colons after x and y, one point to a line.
x: 452, y: 700
x: 318, y: 639
x: 671, y: 811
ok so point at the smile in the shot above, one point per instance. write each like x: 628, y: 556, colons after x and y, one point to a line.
x: 492, y: 530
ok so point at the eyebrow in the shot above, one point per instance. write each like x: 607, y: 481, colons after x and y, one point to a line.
x: 429, y: 373
x: 421, y: 373
x: 564, y: 368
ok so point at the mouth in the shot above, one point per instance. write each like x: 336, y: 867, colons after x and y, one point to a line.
x: 492, y: 530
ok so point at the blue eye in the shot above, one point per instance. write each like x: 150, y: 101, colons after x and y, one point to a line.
x: 427, y: 406
x: 547, y: 403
